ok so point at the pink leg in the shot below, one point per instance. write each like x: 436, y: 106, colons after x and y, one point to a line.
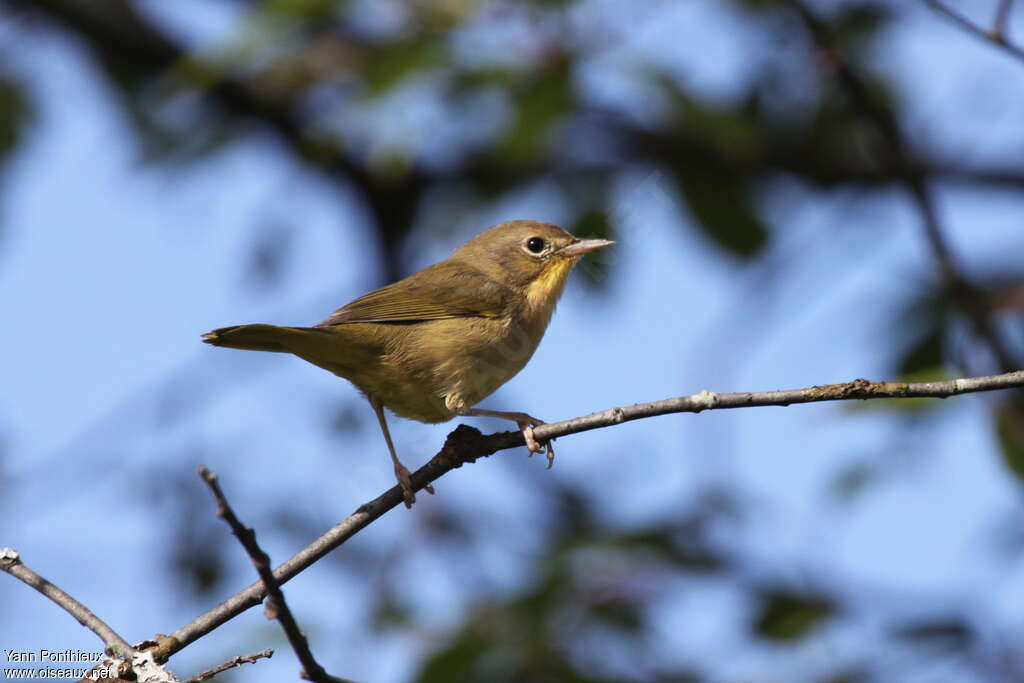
x: 401, y: 472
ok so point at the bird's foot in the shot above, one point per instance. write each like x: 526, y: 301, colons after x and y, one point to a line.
x: 532, y: 444
x: 526, y: 424
x: 405, y: 481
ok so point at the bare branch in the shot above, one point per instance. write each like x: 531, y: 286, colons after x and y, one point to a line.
x: 11, y: 563
x: 276, y: 607
x: 999, y: 26
x: 997, y: 36
x: 237, y: 661
x: 466, y: 444
x: 965, y: 295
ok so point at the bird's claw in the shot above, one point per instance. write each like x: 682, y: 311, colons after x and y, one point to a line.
x: 405, y: 481
x: 535, y: 446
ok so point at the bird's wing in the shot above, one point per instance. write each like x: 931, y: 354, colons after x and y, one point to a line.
x: 444, y: 290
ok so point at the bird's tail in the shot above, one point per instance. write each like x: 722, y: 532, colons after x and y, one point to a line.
x: 257, y: 337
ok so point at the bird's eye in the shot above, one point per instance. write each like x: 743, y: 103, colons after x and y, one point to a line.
x: 536, y: 245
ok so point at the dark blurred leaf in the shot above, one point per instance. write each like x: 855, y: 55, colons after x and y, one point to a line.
x: 457, y: 661
x: 389, y: 613
x: 853, y: 480
x: 619, y: 613
x: 851, y: 675
x: 688, y: 550
x: 949, y: 635
x: 856, y: 25
x: 540, y: 101
x: 721, y: 206
x: 268, y: 256
x: 925, y: 355
x: 790, y: 616
x: 347, y: 417
x: 302, y: 9
x: 718, y: 196
x: 734, y: 133
x: 685, y: 676
x: 394, y: 63
x: 200, y: 565
x: 15, y: 114
x: 1009, y: 424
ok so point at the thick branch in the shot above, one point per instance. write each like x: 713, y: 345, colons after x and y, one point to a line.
x: 466, y: 444
x: 10, y: 562
x: 277, y: 608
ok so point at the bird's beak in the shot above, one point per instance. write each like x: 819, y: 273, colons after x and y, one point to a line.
x: 580, y: 247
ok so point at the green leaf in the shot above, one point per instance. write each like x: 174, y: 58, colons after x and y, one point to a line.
x: 855, y: 26
x: 539, y: 104
x: 457, y: 661
x: 396, y: 62
x: 1009, y: 424
x: 926, y: 354
x: 720, y: 203
x: 619, y: 613
x: 302, y: 9
x: 790, y: 616
x: 15, y: 114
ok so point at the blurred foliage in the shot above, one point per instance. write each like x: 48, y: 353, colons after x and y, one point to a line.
x: 785, y: 615
x: 593, y: 584
x: 322, y: 77
x: 1009, y: 420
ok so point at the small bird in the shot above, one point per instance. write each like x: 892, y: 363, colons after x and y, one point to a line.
x: 431, y: 346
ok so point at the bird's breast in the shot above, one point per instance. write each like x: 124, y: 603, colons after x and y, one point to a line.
x: 456, y: 363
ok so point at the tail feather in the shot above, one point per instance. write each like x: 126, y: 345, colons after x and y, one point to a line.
x: 256, y: 337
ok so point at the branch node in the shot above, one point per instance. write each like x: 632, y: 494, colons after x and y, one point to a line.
x: 9, y: 557
x: 462, y: 446
x: 705, y: 400
x: 162, y: 646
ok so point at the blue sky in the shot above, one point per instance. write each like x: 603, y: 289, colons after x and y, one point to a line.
x: 111, y: 269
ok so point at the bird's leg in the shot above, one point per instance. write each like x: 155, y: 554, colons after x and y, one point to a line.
x: 401, y: 472
x: 526, y: 424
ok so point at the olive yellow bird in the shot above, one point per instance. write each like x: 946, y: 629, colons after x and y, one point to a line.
x: 431, y: 346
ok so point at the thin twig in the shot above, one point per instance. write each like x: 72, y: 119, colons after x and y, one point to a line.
x: 11, y: 563
x: 1002, y: 21
x: 466, y: 444
x: 996, y: 37
x: 237, y: 661
x: 276, y: 607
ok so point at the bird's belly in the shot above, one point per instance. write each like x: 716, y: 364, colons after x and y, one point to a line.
x: 443, y: 366
x: 484, y: 367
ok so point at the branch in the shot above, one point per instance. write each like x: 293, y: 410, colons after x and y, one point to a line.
x: 466, y: 444
x: 11, y: 563
x: 276, y: 607
x: 236, y: 661
x: 1002, y: 20
x: 965, y: 295
x: 997, y: 36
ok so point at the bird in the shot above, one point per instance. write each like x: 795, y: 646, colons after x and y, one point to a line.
x: 431, y: 346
